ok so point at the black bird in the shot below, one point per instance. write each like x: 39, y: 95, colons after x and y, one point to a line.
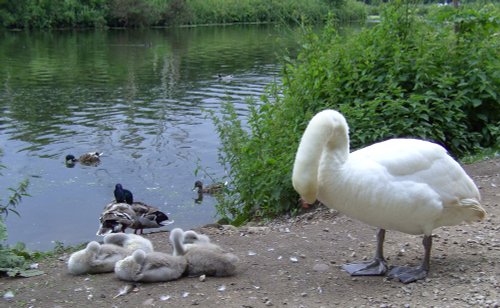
x: 123, y: 195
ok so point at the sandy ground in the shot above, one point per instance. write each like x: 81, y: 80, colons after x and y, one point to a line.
x: 295, y: 262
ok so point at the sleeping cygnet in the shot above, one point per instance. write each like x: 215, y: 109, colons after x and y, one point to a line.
x: 204, y: 259
x: 96, y: 258
x: 131, y: 242
x: 150, y: 267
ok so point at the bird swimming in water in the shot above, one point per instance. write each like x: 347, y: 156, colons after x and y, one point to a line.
x: 225, y: 78
x: 208, y: 189
x: 88, y: 159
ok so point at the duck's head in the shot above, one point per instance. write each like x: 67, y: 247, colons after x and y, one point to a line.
x: 96, y: 154
x: 160, y: 217
x: 71, y: 159
x: 110, y: 226
x: 198, y: 185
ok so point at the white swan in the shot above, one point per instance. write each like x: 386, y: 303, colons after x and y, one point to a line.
x: 131, y: 242
x: 150, y: 267
x: 202, y: 258
x: 96, y: 258
x: 408, y: 185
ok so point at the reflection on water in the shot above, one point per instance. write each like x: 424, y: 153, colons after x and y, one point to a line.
x: 134, y: 95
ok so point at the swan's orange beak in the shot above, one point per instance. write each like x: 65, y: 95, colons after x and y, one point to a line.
x: 304, y: 204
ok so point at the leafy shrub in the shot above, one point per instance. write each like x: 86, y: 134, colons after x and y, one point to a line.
x: 14, y: 260
x: 404, y: 77
x: 132, y: 13
x: 177, y: 13
x: 52, y: 13
x: 351, y: 11
x: 230, y: 11
x: 141, y: 13
x: 257, y: 161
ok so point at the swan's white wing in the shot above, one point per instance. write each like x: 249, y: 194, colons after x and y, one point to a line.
x: 421, y: 162
x: 400, y: 184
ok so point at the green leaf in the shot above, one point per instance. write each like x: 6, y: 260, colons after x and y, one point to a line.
x: 476, y: 102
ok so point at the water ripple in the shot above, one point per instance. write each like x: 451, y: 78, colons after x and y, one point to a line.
x: 71, y: 93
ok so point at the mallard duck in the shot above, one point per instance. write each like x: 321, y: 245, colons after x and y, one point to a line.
x: 203, y: 259
x: 131, y: 242
x: 147, y: 217
x: 117, y: 217
x: 96, y: 258
x: 89, y: 159
x: 123, y: 195
x: 150, y: 267
x: 407, y: 185
x: 208, y: 189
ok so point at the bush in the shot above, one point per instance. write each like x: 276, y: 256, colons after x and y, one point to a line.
x: 404, y: 77
x: 14, y: 260
x: 132, y: 13
x: 142, y: 13
x: 231, y: 11
x: 52, y: 13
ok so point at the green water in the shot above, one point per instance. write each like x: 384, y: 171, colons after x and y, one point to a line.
x: 137, y: 96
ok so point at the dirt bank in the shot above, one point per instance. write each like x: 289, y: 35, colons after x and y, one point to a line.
x: 295, y: 262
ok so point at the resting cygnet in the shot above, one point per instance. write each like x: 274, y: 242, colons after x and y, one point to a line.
x: 131, y: 242
x: 202, y: 258
x: 150, y: 267
x: 96, y: 258
x: 192, y: 239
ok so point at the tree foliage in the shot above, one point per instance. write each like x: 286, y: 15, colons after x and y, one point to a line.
x: 47, y: 14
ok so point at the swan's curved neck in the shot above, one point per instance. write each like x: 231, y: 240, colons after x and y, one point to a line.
x: 176, y: 241
x: 325, y: 140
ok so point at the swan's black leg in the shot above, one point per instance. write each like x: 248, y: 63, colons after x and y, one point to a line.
x: 407, y: 274
x: 375, y: 267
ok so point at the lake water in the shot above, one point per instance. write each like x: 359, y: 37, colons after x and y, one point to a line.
x: 138, y: 97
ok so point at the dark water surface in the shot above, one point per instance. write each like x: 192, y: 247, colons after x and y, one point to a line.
x: 134, y: 95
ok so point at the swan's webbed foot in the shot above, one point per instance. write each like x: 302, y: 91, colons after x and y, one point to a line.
x: 407, y: 274
x: 375, y: 267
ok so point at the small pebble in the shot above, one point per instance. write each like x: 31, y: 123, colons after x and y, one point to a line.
x: 8, y: 295
x: 320, y: 267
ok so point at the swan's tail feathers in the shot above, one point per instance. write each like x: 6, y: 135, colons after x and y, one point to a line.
x: 476, y: 212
